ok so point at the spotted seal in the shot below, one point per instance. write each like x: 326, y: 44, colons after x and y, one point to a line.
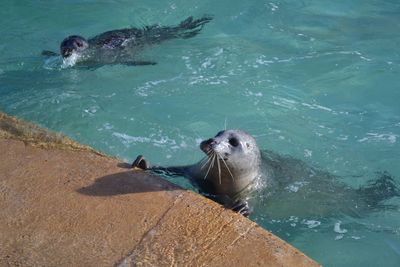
x: 121, y: 46
x: 238, y: 175
x: 231, y: 166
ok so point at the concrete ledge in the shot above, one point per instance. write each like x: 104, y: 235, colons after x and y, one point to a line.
x: 77, y: 207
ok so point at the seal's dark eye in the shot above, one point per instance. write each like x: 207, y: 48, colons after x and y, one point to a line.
x: 233, y: 141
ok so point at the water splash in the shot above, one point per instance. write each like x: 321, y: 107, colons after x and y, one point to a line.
x: 70, y: 61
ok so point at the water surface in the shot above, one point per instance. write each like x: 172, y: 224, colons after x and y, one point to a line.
x: 315, y: 80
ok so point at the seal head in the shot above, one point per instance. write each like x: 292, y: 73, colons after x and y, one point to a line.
x: 233, y: 161
x: 73, y: 44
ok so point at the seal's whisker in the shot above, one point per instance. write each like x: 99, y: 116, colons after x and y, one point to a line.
x: 206, y: 158
x: 210, y: 154
x: 203, y: 160
x: 206, y: 162
x: 219, y: 169
x: 210, y: 166
x: 233, y: 178
x: 214, y: 157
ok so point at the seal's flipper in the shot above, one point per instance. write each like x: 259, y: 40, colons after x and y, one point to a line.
x: 48, y: 53
x: 190, y: 24
x: 190, y: 27
x: 242, y: 207
x: 376, y: 191
x: 186, y: 29
x: 139, y: 63
x: 141, y: 163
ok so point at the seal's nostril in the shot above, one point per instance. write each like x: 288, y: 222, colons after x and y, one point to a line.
x: 211, y: 143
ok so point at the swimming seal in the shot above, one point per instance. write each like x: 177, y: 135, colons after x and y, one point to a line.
x: 120, y: 46
x: 231, y: 165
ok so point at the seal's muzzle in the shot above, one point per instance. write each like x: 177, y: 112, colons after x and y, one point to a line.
x: 73, y: 44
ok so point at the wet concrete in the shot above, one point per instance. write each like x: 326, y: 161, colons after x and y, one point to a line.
x: 72, y: 206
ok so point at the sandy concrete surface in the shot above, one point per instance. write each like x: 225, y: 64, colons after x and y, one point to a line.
x: 77, y: 207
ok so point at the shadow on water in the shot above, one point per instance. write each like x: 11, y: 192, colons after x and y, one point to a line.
x: 127, y: 182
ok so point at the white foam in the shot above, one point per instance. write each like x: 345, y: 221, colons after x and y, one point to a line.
x: 126, y: 139
x: 207, y: 64
x: 342, y: 137
x: 285, y: 103
x: 261, y: 61
x: 273, y: 7
x: 70, y: 61
x: 142, y: 90
x: 219, y: 52
x: 339, y: 230
x: 295, y: 186
x: 379, y: 137
x: 91, y: 110
x: 53, y: 63
x: 315, y: 106
x: 307, y: 153
x: 212, y: 80
x: 250, y: 93
x: 156, y: 140
x: 108, y: 126
x: 311, y: 223
x: 338, y: 237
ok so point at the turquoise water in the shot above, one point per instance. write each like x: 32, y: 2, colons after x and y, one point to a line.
x: 315, y: 80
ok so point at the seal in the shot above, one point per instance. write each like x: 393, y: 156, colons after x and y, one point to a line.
x: 226, y: 174
x: 238, y: 175
x: 120, y: 46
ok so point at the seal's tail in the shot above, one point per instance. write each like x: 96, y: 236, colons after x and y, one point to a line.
x: 376, y: 191
x: 191, y: 27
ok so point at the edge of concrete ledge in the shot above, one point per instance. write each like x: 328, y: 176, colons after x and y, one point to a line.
x: 67, y: 204
x: 30, y: 133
